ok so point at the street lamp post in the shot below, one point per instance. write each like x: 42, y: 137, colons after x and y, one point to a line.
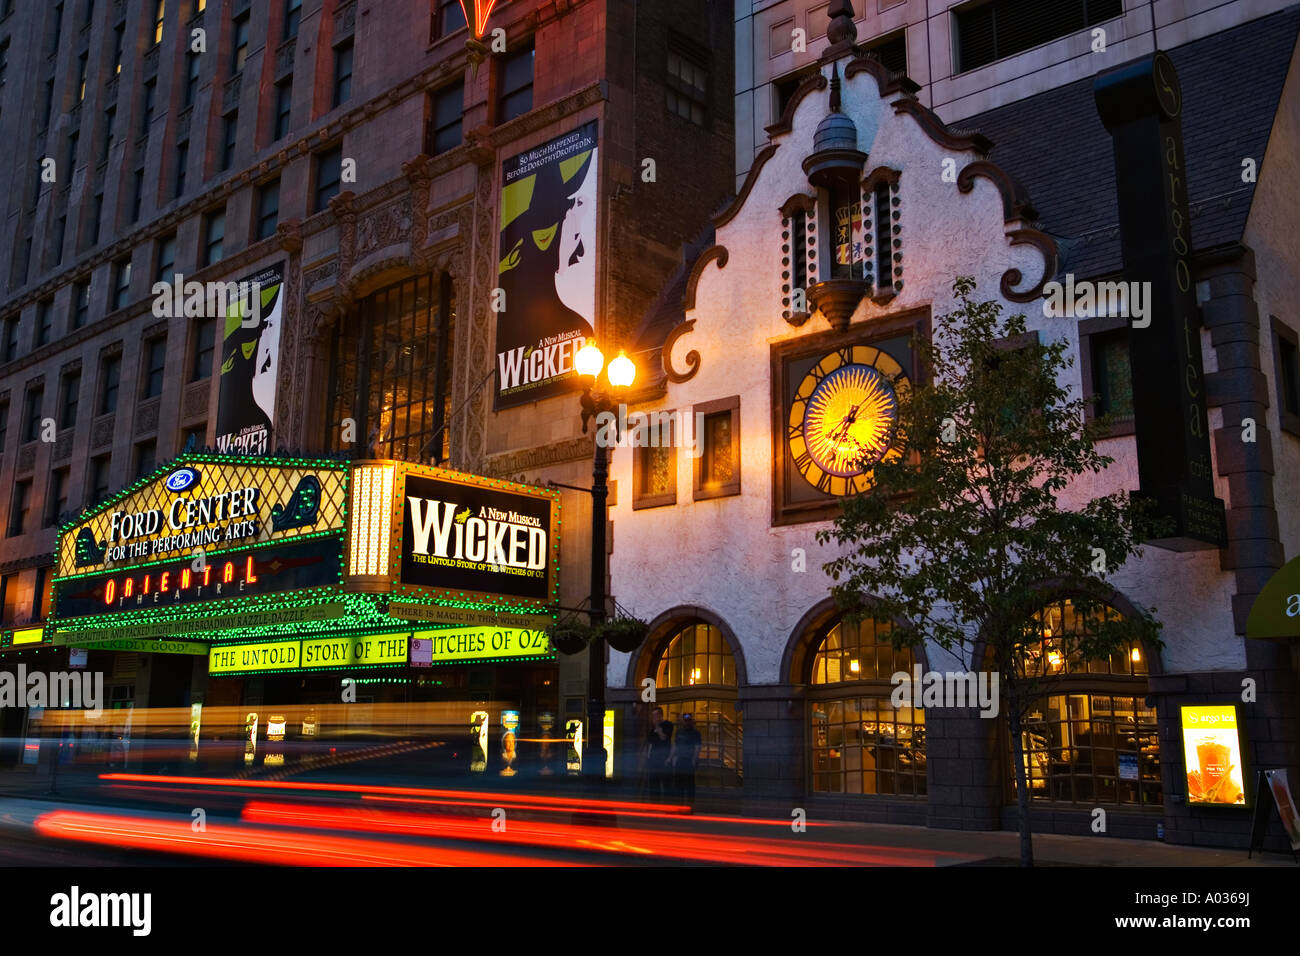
x: 620, y: 374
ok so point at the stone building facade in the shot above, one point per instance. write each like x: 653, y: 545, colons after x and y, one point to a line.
x: 795, y: 703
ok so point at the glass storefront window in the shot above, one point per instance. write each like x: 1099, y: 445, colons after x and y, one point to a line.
x: 1089, y: 744
x: 861, y: 743
x: 1093, y: 748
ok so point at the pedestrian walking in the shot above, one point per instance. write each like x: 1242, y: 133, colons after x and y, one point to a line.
x: 685, y: 758
x: 658, y: 753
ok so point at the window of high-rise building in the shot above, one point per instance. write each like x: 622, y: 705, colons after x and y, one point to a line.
x: 154, y: 366
x: 32, y: 402
x: 98, y: 478
x: 182, y: 160
x: 448, y: 17
x: 165, y: 258
x: 44, y: 322
x: 150, y: 100
x: 268, y: 209
x: 214, y: 233
x: 80, y: 303
x: 121, y: 283
x: 205, y: 337
x: 343, y: 72
x: 191, y: 88
x: 283, y: 107
x: 987, y: 32
x: 687, y: 87
x: 239, y: 50
x: 292, y: 16
x: 329, y: 171
x: 69, y: 398
x: 229, y: 132
x: 515, y: 85
x: 110, y: 381
x: 445, y: 113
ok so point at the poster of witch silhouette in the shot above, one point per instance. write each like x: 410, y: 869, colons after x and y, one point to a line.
x: 547, y: 266
x: 250, y: 367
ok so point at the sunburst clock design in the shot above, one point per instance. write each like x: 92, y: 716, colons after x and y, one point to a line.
x: 844, y: 417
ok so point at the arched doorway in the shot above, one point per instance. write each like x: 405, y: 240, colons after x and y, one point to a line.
x: 695, y: 673
x: 859, y: 742
x: 1092, y: 739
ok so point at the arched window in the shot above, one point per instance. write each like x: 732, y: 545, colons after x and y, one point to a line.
x: 390, y: 371
x: 696, y: 674
x: 861, y: 742
x: 1092, y: 739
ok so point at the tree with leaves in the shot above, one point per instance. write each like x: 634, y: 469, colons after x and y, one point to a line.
x: 963, y: 539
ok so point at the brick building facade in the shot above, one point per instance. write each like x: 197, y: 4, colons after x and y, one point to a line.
x: 360, y: 146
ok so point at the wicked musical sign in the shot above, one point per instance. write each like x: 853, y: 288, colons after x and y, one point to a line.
x: 465, y: 538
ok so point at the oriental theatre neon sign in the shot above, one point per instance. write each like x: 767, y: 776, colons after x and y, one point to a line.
x: 168, y: 585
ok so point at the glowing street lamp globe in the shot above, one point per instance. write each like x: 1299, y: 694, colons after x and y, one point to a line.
x: 589, y: 360
x: 621, y: 371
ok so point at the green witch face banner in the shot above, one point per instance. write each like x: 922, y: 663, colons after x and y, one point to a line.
x: 250, y: 364
x: 547, y: 266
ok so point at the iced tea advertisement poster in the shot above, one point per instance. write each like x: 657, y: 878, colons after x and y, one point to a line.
x: 250, y: 364
x: 1212, y: 751
x: 545, y: 302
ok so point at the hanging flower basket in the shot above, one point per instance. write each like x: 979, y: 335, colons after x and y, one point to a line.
x: 571, y: 637
x: 625, y: 634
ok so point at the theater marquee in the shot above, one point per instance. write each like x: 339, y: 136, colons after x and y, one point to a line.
x: 432, y: 535
x: 205, y: 529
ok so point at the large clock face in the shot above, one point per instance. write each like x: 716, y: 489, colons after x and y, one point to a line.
x: 843, y: 418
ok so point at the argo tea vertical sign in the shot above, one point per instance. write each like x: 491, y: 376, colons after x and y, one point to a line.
x: 547, y: 269
x: 468, y: 539
x: 1141, y: 106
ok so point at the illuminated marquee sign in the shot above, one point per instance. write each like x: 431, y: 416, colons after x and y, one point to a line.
x: 205, y: 503
x: 473, y: 536
x: 369, y: 650
x: 484, y: 643
x: 432, y: 535
x: 287, y: 567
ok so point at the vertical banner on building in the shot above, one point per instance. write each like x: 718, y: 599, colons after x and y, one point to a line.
x: 250, y: 363
x: 1141, y: 106
x: 546, y: 298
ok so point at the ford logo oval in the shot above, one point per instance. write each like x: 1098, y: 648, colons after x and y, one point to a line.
x: 181, y: 478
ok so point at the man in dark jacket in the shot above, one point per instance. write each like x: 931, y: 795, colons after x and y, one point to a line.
x: 658, y: 750
x: 685, y: 758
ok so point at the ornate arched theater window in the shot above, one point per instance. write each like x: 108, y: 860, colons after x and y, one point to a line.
x: 1093, y: 739
x: 861, y: 743
x: 696, y: 674
x: 390, y: 371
